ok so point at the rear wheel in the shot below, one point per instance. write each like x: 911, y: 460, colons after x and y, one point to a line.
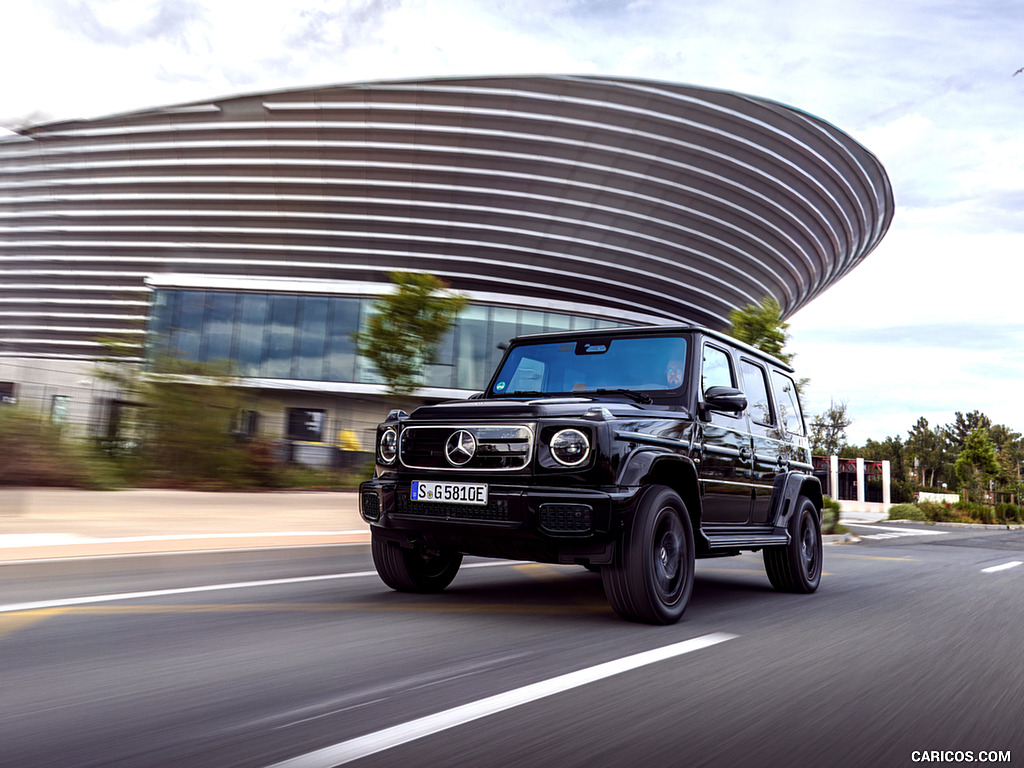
x: 796, y: 567
x: 413, y: 569
x: 651, y: 578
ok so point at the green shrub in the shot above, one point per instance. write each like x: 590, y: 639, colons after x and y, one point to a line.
x: 973, y: 512
x: 906, y: 512
x: 1011, y: 513
x: 830, y: 516
x: 319, y: 478
x: 36, y: 453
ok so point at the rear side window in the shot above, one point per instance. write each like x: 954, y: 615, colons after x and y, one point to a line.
x: 755, y: 386
x: 789, y: 403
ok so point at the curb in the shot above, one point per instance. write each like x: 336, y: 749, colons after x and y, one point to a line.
x: 981, y: 526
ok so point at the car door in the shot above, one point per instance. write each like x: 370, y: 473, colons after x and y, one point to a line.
x: 726, y: 450
x: 765, y: 434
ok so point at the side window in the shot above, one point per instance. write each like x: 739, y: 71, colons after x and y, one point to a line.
x: 717, y: 370
x: 789, y: 403
x: 755, y: 384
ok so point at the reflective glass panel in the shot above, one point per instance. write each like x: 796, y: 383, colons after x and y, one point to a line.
x: 312, y: 338
x: 252, y: 322
x: 279, y: 354
x: 187, y: 324
x: 472, y: 371
x: 340, y: 349
x: 218, y: 326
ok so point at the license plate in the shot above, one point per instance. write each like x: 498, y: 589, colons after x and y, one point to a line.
x: 449, y: 493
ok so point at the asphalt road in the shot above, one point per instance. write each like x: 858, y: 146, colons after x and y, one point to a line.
x: 250, y: 658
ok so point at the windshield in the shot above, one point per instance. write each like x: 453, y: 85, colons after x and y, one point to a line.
x: 593, y: 365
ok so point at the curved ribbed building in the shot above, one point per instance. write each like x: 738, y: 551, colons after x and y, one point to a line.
x: 259, y: 228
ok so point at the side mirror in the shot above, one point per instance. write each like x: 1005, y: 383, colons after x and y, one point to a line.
x: 725, y: 399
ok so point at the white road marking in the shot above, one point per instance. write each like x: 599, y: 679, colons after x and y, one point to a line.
x: 1003, y: 567
x: 118, y: 597
x: 891, y: 532
x: 372, y: 743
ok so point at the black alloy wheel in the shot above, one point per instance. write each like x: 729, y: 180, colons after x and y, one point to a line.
x: 796, y: 567
x: 651, y: 578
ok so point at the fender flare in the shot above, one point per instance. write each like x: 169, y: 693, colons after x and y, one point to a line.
x: 664, y: 467
x: 788, y: 487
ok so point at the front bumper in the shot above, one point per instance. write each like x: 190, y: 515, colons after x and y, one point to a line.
x: 539, y: 523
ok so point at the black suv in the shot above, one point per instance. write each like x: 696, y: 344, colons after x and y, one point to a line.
x: 629, y: 451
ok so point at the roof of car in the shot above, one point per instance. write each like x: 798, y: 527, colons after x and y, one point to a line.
x: 647, y: 330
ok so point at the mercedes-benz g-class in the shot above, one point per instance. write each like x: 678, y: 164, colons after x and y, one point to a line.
x: 630, y: 451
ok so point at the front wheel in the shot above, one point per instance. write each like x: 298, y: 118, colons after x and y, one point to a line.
x: 651, y: 578
x: 796, y: 567
x: 413, y: 570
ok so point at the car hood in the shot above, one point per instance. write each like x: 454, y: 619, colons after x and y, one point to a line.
x: 540, y: 408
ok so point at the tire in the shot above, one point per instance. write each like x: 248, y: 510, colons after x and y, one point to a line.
x: 796, y: 567
x: 651, y: 578
x: 413, y: 570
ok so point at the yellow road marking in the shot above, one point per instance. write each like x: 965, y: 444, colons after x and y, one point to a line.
x: 15, y: 622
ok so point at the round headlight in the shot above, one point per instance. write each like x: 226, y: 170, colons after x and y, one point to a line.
x: 570, y: 447
x: 389, y: 445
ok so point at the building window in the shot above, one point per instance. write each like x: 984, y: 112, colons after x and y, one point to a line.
x: 59, y: 407
x: 306, y: 424
x: 309, y: 337
x: 247, y: 423
x: 7, y: 393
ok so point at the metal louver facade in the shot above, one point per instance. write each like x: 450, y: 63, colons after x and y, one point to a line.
x: 633, y: 199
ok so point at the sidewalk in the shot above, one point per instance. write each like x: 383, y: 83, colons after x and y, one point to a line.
x: 40, y: 523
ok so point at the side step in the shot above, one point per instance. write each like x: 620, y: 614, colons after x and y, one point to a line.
x: 736, y: 537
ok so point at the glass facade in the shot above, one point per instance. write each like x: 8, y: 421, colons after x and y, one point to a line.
x: 309, y: 337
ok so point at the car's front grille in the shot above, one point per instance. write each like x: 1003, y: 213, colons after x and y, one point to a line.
x: 493, y: 447
x: 496, y: 510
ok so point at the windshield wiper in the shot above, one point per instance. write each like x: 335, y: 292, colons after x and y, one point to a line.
x: 639, y: 397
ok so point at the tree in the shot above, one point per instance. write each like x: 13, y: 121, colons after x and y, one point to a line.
x: 828, y: 430
x: 977, y: 464
x: 402, y: 334
x: 964, y: 425
x: 761, y: 326
x: 1009, y: 452
x: 928, y: 450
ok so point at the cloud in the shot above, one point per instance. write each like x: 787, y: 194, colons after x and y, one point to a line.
x: 927, y: 87
x: 125, y: 23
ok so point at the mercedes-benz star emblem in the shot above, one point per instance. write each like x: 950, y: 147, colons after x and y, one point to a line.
x: 460, y: 448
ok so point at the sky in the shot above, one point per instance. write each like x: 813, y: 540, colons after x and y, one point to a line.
x: 931, y: 323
